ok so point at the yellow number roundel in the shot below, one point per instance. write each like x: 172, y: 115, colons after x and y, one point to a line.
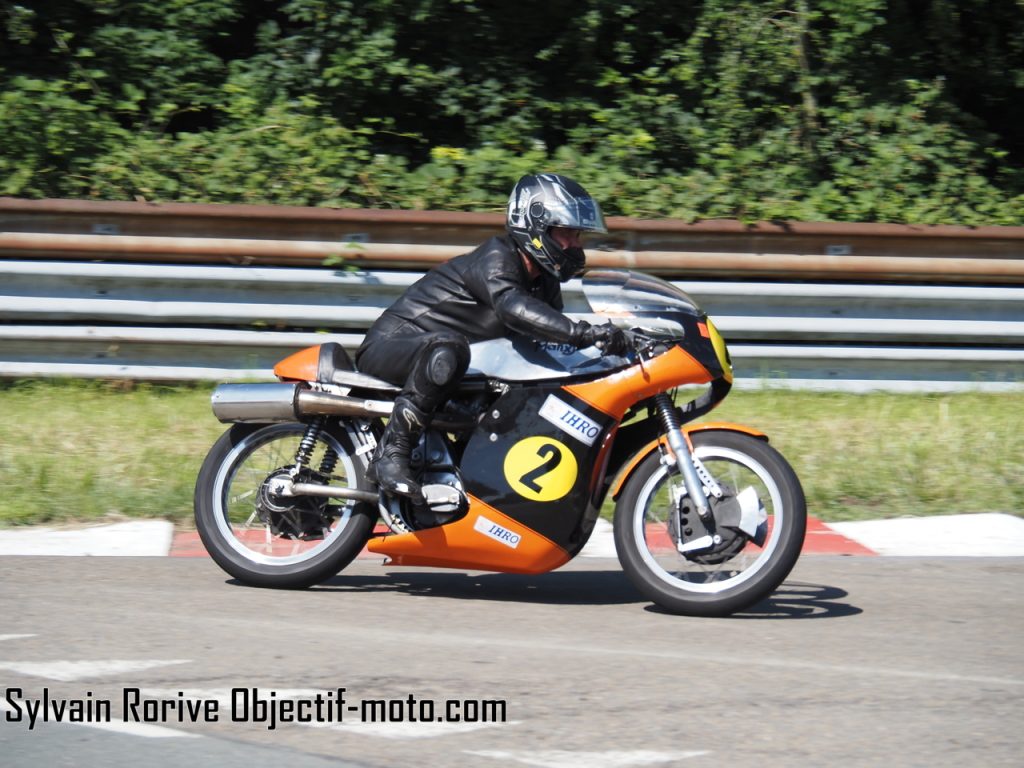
x: 540, y: 469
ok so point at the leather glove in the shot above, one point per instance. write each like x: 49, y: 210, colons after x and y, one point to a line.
x: 609, y: 339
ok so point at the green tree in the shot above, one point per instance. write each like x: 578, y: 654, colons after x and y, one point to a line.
x: 862, y: 110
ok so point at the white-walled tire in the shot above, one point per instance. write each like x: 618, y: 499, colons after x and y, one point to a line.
x: 701, y: 585
x: 233, y: 525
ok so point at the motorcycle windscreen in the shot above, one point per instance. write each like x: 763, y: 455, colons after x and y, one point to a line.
x: 622, y: 292
x: 625, y: 298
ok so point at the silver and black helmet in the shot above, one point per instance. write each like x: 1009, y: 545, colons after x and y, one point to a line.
x: 547, y: 200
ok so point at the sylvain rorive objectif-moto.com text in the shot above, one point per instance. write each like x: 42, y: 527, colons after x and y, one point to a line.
x: 266, y: 708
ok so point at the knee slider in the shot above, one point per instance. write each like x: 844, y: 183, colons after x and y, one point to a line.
x: 443, y: 366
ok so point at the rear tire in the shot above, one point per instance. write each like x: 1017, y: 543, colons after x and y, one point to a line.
x: 253, y: 544
x: 710, y: 585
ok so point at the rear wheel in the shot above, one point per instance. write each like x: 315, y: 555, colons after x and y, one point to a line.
x: 734, y: 573
x: 267, y: 539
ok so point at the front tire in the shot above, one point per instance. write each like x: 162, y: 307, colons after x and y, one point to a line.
x: 741, y: 574
x: 266, y: 541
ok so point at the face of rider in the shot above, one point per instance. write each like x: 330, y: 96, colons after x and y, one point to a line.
x: 567, y: 238
x: 571, y: 243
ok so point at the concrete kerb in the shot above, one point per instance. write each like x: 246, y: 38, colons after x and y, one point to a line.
x: 973, y: 535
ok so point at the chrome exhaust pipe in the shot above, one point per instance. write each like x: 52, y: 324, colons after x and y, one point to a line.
x: 255, y: 403
x: 323, y: 403
x: 268, y: 403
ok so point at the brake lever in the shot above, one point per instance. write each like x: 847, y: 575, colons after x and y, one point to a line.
x: 641, y: 342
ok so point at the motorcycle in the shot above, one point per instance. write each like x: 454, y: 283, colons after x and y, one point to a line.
x: 709, y: 518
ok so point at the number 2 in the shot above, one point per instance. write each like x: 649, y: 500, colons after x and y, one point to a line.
x: 552, y: 458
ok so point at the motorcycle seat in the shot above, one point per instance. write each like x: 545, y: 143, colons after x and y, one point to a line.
x: 336, y: 367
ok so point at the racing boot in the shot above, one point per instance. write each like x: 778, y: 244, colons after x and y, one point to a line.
x: 389, y: 467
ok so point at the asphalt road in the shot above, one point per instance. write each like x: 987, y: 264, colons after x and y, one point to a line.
x: 855, y: 661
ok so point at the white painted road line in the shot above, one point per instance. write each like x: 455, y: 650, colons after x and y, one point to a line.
x: 398, y: 731
x: 137, y: 538
x: 612, y: 759
x: 145, y: 730
x: 223, y: 696
x: 69, y: 671
x: 13, y: 637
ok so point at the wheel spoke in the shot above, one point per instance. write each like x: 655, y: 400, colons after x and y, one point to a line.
x: 732, y: 560
x: 243, y: 496
x: 253, y: 512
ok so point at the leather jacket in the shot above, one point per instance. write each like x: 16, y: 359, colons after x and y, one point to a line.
x: 481, y: 295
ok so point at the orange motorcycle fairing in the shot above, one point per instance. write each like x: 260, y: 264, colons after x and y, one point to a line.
x: 615, y: 394
x: 485, y: 539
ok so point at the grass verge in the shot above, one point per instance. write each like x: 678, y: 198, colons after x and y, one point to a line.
x: 88, y: 451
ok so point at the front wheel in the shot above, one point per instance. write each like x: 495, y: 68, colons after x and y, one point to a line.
x: 266, y: 539
x: 653, y: 515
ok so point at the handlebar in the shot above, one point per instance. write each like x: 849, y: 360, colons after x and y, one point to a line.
x: 645, y: 345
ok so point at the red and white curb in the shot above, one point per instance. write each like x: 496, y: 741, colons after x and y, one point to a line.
x: 978, y: 535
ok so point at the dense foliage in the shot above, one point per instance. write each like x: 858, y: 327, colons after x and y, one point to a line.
x: 851, y: 110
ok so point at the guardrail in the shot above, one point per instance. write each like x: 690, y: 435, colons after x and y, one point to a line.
x: 382, y: 239
x: 205, y: 322
x: 932, y: 323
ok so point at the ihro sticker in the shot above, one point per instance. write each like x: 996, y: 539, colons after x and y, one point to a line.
x: 497, y: 532
x: 569, y: 420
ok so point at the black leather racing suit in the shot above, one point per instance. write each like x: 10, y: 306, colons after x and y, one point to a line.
x: 422, y: 341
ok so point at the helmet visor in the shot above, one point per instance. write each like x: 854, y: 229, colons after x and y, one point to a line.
x: 582, y: 213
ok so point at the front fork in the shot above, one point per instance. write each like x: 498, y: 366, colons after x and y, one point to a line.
x: 697, y: 480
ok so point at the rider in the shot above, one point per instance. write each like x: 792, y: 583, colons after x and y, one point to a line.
x: 507, y: 284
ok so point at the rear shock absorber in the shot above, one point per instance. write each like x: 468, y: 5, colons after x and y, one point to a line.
x: 683, y: 455
x: 308, y: 443
x: 329, y: 462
